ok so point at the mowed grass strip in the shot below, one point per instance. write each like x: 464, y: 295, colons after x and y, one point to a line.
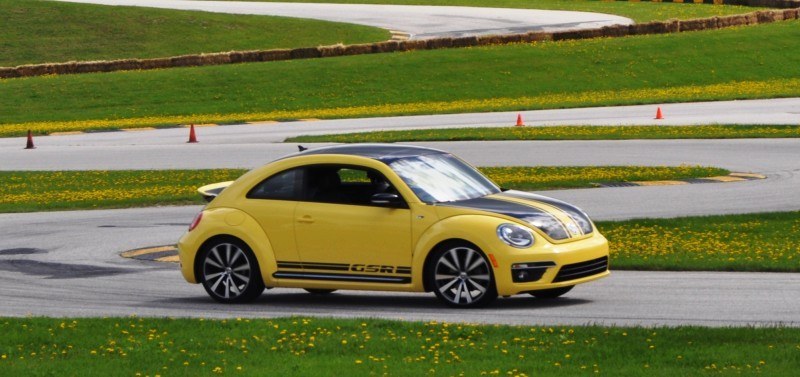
x: 45, y: 32
x: 639, y: 11
x: 71, y: 190
x: 559, y: 133
x: 761, y: 61
x: 355, y: 347
x: 753, y: 242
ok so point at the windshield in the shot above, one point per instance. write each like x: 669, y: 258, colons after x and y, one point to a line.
x: 442, y: 178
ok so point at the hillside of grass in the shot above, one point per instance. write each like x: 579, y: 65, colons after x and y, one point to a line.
x: 639, y: 11
x: 43, y: 31
x: 754, y: 62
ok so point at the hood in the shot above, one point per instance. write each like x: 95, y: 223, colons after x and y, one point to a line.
x: 558, y: 220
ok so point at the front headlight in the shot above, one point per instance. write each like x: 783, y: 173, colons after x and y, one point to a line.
x: 515, y: 235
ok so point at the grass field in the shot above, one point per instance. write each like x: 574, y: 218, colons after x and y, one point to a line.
x: 638, y: 11
x: 41, y: 31
x: 756, y: 242
x: 71, y: 190
x: 353, y: 347
x: 759, y: 62
x: 559, y: 133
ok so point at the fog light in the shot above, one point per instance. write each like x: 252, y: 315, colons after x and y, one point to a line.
x: 529, y: 272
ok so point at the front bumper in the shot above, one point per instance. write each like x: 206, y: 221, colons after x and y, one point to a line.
x: 551, y: 265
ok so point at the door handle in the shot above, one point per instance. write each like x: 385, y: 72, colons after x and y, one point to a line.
x: 305, y: 219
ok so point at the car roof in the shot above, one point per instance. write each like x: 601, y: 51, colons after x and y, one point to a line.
x: 381, y: 152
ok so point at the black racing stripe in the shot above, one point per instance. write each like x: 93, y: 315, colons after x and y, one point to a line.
x: 520, y: 211
x: 574, y: 212
x: 341, y: 277
x: 512, y: 209
x: 403, y: 270
x: 315, y: 266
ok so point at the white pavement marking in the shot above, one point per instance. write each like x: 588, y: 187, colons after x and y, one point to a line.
x: 421, y: 22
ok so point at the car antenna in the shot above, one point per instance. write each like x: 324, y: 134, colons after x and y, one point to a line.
x: 301, y: 148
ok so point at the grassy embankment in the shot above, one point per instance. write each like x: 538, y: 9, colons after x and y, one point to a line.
x: 754, y: 62
x: 558, y: 133
x: 352, y: 347
x: 44, y: 32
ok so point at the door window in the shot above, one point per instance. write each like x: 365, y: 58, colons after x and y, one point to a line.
x: 345, y: 184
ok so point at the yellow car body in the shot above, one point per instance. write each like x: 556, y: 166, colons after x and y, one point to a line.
x: 277, y: 220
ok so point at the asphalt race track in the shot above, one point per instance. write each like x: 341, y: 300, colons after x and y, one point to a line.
x: 418, y: 22
x: 67, y: 263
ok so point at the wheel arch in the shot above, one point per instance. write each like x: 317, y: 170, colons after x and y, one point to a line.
x: 476, y: 230
x: 216, y: 238
x: 231, y: 223
x: 426, y: 266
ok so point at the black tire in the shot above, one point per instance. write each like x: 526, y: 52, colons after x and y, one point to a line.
x: 551, y: 293
x: 316, y: 291
x: 229, y: 271
x: 461, y: 276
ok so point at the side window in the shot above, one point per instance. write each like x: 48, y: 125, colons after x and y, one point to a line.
x: 345, y: 184
x: 285, y: 185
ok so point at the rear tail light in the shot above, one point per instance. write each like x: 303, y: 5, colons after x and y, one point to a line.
x: 196, y: 221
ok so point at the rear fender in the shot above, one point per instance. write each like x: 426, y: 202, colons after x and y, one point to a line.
x: 240, y: 225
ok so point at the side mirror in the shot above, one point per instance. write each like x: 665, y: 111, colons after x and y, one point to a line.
x: 386, y: 199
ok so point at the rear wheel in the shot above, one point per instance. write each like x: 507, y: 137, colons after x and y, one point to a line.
x: 461, y: 276
x: 229, y: 272
x: 551, y: 293
x: 315, y: 291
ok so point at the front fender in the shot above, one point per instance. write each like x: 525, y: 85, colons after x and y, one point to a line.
x: 476, y: 229
x: 236, y: 224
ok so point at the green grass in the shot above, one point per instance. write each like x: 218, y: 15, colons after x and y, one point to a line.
x: 558, y: 133
x: 40, y: 32
x: 638, y: 11
x: 71, y: 190
x: 632, y: 70
x: 559, y: 177
x: 354, y: 347
x: 754, y: 242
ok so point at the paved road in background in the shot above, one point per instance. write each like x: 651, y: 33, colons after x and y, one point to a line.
x: 67, y: 263
x: 421, y: 22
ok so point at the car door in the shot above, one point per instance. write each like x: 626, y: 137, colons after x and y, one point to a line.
x: 342, y: 236
x: 272, y: 204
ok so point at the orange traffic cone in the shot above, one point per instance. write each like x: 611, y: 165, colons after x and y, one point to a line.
x: 192, y: 136
x: 30, y: 141
x: 519, y: 121
x: 658, y: 114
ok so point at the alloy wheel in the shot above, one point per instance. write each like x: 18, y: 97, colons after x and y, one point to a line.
x: 230, y: 273
x: 462, y: 277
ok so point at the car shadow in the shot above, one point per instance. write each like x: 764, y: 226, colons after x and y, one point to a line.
x: 306, y: 302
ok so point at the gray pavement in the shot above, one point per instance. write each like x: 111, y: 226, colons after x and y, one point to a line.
x: 75, y: 271
x: 421, y: 22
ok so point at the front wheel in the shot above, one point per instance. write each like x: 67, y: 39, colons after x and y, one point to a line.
x: 551, y: 293
x: 229, y: 272
x: 461, y: 276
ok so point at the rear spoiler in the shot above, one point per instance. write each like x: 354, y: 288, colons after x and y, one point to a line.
x: 209, y: 192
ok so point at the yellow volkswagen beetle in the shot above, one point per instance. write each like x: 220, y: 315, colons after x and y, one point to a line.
x: 389, y: 218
